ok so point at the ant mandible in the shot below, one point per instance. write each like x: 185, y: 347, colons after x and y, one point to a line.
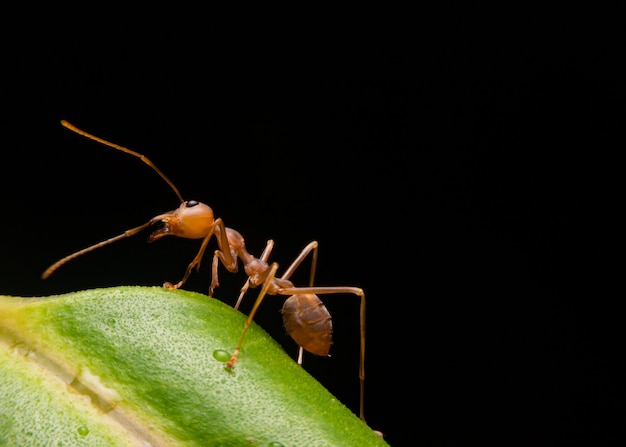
x: 305, y: 317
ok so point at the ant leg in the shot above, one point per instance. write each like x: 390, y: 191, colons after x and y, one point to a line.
x: 243, y: 291
x: 266, y: 285
x: 194, y: 263
x: 300, y: 355
x: 218, y: 256
x: 311, y: 247
x: 228, y: 241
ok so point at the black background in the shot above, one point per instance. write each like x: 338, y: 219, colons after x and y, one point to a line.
x: 460, y: 167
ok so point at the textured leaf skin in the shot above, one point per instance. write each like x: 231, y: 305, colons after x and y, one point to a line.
x: 135, y: 366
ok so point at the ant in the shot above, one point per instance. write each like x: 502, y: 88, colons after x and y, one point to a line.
x: 305, y: 317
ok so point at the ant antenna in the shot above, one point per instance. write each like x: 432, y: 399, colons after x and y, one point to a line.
x: 128, y: 151
x: 128, y: 233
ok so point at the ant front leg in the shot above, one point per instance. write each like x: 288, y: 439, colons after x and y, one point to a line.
x: 194, y: 263
x: 229, y: 242
x: 217, y: 228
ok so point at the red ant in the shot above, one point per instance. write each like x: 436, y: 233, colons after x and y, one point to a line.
x: 305, y: 317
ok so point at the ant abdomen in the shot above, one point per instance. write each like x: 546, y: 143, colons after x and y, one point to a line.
x: 308, y: 322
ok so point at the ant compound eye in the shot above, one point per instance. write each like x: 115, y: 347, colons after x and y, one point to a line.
x: 191, y: 203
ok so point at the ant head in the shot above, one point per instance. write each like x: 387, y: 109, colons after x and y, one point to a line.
x: 192, y: 220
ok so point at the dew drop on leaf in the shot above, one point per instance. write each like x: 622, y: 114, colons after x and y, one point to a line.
x: 221, y: 355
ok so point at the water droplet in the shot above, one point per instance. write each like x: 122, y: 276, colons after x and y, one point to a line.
x: 83, y: 431
x: 221, y: 355
x: 111, y: 322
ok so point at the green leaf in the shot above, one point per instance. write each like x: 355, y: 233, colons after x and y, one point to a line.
x: 135, y: 366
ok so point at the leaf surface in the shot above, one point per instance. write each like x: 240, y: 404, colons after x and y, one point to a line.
x: 135, y: 366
